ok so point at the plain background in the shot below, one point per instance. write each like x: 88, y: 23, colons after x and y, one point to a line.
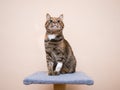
x: 92, y: 27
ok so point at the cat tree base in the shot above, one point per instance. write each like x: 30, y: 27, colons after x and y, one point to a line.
x: 59, y: 82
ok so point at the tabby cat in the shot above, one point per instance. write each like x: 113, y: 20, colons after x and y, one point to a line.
x: 59, y: 55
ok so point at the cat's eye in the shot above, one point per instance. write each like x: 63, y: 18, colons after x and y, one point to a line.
x: 51, y: 21
x: 58, y: 21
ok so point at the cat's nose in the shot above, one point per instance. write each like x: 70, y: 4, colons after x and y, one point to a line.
x: 55, y: 24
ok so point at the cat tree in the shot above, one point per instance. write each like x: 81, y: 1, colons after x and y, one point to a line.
x: 59, y: 82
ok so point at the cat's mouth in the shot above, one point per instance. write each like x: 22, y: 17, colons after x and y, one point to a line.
x: 55, y: 28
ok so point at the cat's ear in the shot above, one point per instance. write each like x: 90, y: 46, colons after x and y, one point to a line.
x: 61, y: 16
x: 48, y: 16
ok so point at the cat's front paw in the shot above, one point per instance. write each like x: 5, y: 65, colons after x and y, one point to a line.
x: 50, y: 73
x: 56, y: 73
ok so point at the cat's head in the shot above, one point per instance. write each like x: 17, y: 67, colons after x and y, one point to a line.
x: 54, y: 24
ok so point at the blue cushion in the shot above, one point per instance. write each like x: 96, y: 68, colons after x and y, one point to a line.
x: 43, y: 78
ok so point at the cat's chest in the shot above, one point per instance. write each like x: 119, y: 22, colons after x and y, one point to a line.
x: 51, y: 36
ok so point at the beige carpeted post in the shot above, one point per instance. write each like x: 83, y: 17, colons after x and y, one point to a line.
x: 59, y: 86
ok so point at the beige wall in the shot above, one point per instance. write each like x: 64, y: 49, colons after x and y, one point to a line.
x: 91, y: 26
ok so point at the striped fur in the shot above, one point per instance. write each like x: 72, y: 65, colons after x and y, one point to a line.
x: 59, y: 55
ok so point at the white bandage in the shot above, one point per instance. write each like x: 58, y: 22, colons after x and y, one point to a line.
x: 59, y: 66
